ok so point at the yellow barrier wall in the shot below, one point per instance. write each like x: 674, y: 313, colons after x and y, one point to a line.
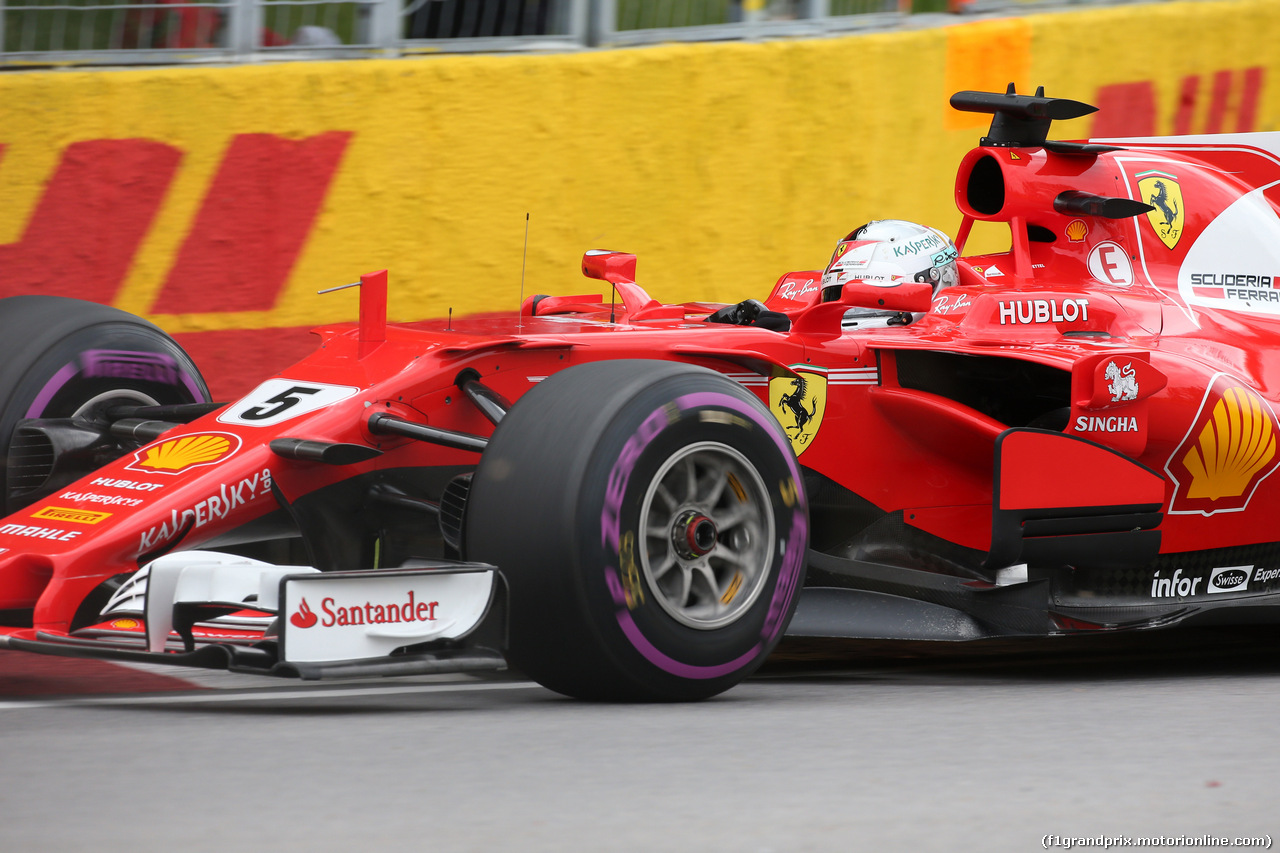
x: 215, y: 200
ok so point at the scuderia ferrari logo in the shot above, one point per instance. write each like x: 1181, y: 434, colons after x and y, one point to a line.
x: 1161, y: 191
x: 798, y: 403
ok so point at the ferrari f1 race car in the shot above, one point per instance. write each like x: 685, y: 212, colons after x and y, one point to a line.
x: 632, y: 500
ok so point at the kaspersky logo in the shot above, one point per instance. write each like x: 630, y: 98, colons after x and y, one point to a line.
x: 181, y: 454
x: 1229, y: 449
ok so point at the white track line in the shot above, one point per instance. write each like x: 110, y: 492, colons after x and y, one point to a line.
x: 166, y: 698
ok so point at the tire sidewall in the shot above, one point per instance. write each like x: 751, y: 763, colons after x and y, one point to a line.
x: 59, y: 353
x: 649, y: 429
x: 101, y: 359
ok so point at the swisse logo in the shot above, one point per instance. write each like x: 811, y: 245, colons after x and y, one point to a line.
x: 367, y: 613
x: 1229, y: 579
x: 1027, y: 311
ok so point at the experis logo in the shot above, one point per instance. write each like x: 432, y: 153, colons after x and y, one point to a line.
x: 365, y: 613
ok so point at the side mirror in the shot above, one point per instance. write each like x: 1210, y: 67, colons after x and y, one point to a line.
x: 614, y: 267
x: 915, y: 297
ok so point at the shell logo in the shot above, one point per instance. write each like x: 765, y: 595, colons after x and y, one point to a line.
x: 1229, y: 450
x: 176, y: 455
x: 126, y: 624
x: 1077, y: 230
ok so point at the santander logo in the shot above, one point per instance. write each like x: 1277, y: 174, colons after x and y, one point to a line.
x: 364, y: 613
x: 305, y: 617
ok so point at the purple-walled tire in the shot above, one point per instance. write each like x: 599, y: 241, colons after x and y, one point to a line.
x: 63, y: 357
x: 651, y: 524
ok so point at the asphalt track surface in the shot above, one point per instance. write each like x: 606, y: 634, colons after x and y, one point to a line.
x: 842, y: 746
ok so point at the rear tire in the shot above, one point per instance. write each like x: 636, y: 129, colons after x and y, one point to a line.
x: 650, y: 521
x: 63, y: 357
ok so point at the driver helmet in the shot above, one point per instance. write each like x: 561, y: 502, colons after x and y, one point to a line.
x: 888, y: 252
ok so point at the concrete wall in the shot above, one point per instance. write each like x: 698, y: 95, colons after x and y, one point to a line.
x: 216, y: 201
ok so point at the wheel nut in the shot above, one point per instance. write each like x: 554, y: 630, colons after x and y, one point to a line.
x: 694, y: 535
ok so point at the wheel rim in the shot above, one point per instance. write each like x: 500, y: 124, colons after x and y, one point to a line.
x: 114, y: 397
x: 708, y: 534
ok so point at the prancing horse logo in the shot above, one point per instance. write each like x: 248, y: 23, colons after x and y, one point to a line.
x: 798, y: 402
x: 1161, y: 191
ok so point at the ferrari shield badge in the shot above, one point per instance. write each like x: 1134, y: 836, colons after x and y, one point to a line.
x: 1161, y: 191
x: 798, y: 403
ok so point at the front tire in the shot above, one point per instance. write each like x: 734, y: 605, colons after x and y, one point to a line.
x: 650, y: 521
x: 62, y: 358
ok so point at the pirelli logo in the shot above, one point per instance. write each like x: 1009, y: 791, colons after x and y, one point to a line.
x: 75, y: 516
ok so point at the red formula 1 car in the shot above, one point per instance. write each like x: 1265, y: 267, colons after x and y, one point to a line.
x: 627, y: 499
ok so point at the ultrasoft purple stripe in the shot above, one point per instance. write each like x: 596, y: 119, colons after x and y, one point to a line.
x: 793, y: 563
x: 189, y: 381
x: 628, y: 625
x: 53, y: 386
x: 711, y: 398
x: 683, y: 670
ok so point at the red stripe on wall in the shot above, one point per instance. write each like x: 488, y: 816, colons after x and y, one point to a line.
x: 233, y: 362
x: 1186, y: 105
x: 1248, y: 114
x: 253, y: 223
x: 1218, y: 102
x: 89, y: 222
x: 1125, y: 109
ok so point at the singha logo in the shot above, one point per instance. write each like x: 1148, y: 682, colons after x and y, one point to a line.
x: 1121, y: 383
